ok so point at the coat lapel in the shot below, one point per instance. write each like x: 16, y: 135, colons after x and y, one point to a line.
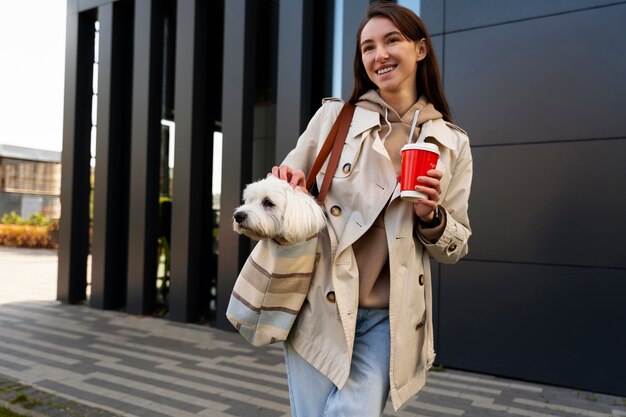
x: 376, y: 183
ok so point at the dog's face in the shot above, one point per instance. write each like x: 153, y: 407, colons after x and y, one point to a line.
x: 273, y: 209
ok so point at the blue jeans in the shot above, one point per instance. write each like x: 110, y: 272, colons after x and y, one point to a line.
x: 366, y: 391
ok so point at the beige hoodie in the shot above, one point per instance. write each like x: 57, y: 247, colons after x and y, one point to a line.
x: 371, y: 249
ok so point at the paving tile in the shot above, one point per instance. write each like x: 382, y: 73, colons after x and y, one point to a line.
x: 104, y: 362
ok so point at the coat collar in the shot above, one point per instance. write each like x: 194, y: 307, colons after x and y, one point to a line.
x: 362, y: 121
x: 438, y: 130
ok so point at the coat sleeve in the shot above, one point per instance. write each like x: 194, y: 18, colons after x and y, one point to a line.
x: 312, y: 139
x: 452, y: 245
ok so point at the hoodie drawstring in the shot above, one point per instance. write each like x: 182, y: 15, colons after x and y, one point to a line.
x: 388, y: 124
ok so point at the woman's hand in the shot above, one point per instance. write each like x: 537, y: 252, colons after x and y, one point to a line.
x: 425, y: 209
x: 295, y: 177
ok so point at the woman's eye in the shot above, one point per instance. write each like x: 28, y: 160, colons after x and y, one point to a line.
x: 392, y: 40
x: 267, y: 203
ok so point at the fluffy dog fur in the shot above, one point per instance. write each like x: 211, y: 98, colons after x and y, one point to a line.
x: 273, y: 209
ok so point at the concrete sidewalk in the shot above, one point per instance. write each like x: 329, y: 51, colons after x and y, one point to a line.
x: 140, y: 366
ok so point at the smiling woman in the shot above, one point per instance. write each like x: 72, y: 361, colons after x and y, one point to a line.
x: 32, y: 40
x: 365, y: 331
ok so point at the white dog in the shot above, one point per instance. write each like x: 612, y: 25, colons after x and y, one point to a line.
x: 274, y: 209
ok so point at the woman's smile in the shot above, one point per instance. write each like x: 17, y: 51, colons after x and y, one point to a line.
x: 386, y: 69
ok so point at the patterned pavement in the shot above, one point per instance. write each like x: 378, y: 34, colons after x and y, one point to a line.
x: 137, y: 366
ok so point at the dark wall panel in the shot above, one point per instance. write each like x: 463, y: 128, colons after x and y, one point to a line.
x: 539, y: 87
x: 432, y: 14
x: 461, y: 14
x: 438, y: 46
x: 557, y: 325
x: 549, y: 79
x: 555, y: 203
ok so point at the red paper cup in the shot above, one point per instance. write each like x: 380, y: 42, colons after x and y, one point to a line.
x: 417, y: 160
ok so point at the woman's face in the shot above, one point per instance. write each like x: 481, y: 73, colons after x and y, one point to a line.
x: 390, y: 59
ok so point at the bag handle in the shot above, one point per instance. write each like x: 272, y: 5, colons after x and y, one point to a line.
x: 333, y: 145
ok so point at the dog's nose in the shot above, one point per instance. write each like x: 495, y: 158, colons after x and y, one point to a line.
x: 240, y: 216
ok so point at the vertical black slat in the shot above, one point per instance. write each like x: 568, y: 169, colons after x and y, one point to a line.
x: 318, y: 65
x: 237, y: 122
x: 289, y: 100
x: 353, y: 13
x: 213, y: 51
x: 144, y: 169
x: 74, y: 224
x: 110, y: 238
x: 188, y: 258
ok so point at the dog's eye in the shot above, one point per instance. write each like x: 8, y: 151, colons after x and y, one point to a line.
x: 267, y: 203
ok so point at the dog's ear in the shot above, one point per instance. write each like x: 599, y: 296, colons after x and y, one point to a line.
x: 303, y: 217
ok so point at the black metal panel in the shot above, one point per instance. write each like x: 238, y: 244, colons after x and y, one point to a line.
x: 555, y: 325
x: 191, y: 249
x: 554, y: 203
x: 438, y: 45
x: 237, y: 122
x: 110, y: 236
x: 304, y: 67
x: 144, y: 169
x: 540, y: 80
x: 74, y: 224
x: 353, y: 13
x: 461, y: 14
x: 318, y: 65
x: 432, y: 14
x: 291, y: 74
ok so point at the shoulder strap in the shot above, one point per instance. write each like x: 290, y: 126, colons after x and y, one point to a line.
x: 333, y: 145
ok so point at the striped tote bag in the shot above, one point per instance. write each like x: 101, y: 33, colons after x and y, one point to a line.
x: 270, y: 290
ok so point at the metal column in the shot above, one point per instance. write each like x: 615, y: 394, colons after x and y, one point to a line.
x: 237, y: 122
x: 110, y: 236
x: 74, y: 226
x: 193, y: 142
x: 145, y: 148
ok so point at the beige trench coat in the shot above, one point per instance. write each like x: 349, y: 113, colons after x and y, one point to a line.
x: 364, y: 183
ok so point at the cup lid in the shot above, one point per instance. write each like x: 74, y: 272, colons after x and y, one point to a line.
x: 421, y: 145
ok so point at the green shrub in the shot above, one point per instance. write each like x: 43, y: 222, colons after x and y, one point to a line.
x: 36, y: 219
x: 12, y: 218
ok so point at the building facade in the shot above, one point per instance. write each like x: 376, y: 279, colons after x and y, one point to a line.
x: 196, y: 98
x: 30, y: 181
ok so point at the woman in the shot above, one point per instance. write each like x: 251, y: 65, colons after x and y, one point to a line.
x: 365, y: 330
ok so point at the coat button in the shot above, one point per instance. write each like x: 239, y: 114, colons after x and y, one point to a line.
x: 419, y: 325
x: 452, y: 247
x: 335, y: 211
x: 346, y: 168
x: 331, y: 296
x: 421, y: 279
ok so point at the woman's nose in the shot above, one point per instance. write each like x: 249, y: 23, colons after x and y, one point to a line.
x: 381, y: 54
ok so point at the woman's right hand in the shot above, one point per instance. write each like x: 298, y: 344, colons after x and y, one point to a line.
x: 295, y: 177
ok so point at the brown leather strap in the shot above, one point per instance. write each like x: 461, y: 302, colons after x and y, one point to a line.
x: 333, y: 145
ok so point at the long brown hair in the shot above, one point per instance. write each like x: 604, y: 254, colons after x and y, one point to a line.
x: 412, y: 27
